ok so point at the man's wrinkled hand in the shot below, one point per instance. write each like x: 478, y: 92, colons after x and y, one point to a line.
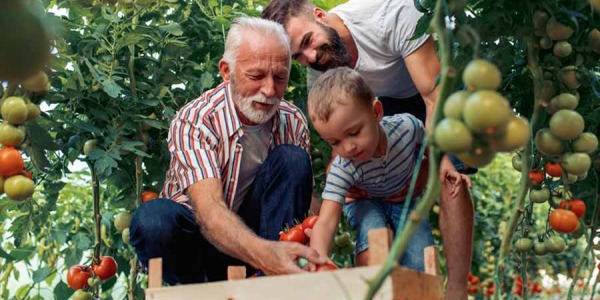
x: 282, y: 258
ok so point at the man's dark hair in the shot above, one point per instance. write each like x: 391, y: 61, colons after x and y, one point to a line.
x: 281, y: 11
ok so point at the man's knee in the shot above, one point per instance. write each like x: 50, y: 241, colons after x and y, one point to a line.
x: 293, y: 158
x: 156, y: 219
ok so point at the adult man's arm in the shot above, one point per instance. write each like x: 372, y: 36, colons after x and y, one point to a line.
x: 456, y: 218
x: 227, y: 232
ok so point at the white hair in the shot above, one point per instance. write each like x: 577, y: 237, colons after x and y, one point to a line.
x: 243, y: 25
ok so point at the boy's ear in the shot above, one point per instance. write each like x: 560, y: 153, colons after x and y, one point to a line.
x: 378, y: 109
x: 225, y: 70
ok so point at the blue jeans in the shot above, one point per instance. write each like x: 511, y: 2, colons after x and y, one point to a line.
x: 281, y: 192
x: 367, y: 214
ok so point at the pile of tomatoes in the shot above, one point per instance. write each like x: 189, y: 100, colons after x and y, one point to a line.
x: 480, y: 122
x: 15, y: 111
x: 80, y: 277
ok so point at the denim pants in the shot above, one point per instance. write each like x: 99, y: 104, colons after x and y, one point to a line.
x: 366, y: 214
x: 281, y: 192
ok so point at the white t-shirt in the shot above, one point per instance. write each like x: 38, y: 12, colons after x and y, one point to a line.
x: 255, y: 144
x: 382, y: 30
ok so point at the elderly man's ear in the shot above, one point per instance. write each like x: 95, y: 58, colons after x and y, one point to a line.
x: 225, y: 70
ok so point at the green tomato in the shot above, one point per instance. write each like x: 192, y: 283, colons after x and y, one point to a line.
x: 524, y: 244
x: 555, y: 244
x: 539, y: 196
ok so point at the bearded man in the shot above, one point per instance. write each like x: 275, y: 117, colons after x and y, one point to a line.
x: 240, y: 169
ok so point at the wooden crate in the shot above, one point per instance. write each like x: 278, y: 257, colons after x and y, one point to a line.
x: 351, y: 283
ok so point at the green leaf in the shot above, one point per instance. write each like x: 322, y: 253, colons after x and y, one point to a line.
x: 62, y: 291
x: 173, y: 28
x: 6, y: 255
x: 42, y: 137
x: 40, y: 274
x: 73, y: 256
x: 422, y: 26
x: 23, y: 253
x: 111, y: 88
x: 22, y: 292
x: 82, y: 241
x: 206, y: 80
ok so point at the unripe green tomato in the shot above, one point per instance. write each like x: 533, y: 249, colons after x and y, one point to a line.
x: 576, y: 163
x: 89, y: 146
x: 481, y: 74
x: 14, y: 110
x: 555, y: 244
x: 539, y: 196
x: 122, y: 221
x: 18, y: 187
x: 451, y: 135
x: 539, y: 248
x: 524, y: 244
x: 587, y: 142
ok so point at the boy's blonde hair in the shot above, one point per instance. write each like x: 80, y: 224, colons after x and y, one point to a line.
x: 339, y: 86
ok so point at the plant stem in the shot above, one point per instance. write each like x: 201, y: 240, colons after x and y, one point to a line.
x: 97, y: 218
x: 433, y: 183
x: 518, y: 209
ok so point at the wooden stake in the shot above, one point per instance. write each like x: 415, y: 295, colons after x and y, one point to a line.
x: 155, y: 273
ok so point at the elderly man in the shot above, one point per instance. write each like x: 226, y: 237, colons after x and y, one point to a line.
x: 375, y: 39
x: 240, y: 169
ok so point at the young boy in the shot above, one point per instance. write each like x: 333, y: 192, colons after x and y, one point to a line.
x: 376, y: 155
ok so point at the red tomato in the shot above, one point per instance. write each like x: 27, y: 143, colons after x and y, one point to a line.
x: 28, y: 174
x: 553, y: 169
x: 577, y: 206
x: 327, y: 267
x: 11, y: 162
x: 149, y: 195
x: 295, y: 234
x: 309, y: 222
x: 106, y: 269
x: 77, y: 277
x: 563, y: 220
x: 474, y: 280
x: 536, y: 176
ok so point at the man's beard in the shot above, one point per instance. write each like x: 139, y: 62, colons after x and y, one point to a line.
x: 335, y: 49
x: 244, y: 105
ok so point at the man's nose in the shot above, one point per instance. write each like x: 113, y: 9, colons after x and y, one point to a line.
x: 268, y: 87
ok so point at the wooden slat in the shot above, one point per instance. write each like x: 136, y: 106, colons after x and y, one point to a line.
x: 409, y: 284
x: 432, y: 261
x: 341, y: 284
x: 155, y: 273
x: 236, y: 272
x: 379, y: 245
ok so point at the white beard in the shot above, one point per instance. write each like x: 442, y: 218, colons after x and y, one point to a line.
x: 244, y: 106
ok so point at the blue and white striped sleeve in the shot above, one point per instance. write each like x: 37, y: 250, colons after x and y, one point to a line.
x: 339, y: 180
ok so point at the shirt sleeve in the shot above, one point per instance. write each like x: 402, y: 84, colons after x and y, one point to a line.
x: 339, y: 180
x: 193, y: 147
x: 402, y: 23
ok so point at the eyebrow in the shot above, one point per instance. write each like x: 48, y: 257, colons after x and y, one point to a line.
x: 304, y: 40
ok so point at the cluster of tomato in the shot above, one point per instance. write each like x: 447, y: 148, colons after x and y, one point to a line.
x: 480, y: 122
x: 15, y: 180
x: 533, y: 289
x: 80, y: 277
x: 473, y: 284
x: 297, y: 234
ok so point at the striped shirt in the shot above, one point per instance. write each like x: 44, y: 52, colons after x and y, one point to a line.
x: 382, y: 176
x: 204, y: 142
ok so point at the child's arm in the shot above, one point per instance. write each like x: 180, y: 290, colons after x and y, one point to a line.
x: 326, y: 227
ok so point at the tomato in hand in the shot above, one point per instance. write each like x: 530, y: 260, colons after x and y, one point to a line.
x: 295, y: 234
x: 310, y: 222
x: 106, y: 269
x: 148, y: 195
x: 327, y: 267
x: 11, y: 162
x: 553, y: 169
x: 563, y: 220
x: 577, y: 206
x: 536, y: 176
x: 77, y: 277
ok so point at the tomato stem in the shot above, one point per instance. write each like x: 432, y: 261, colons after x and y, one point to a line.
x: 97, y: 217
